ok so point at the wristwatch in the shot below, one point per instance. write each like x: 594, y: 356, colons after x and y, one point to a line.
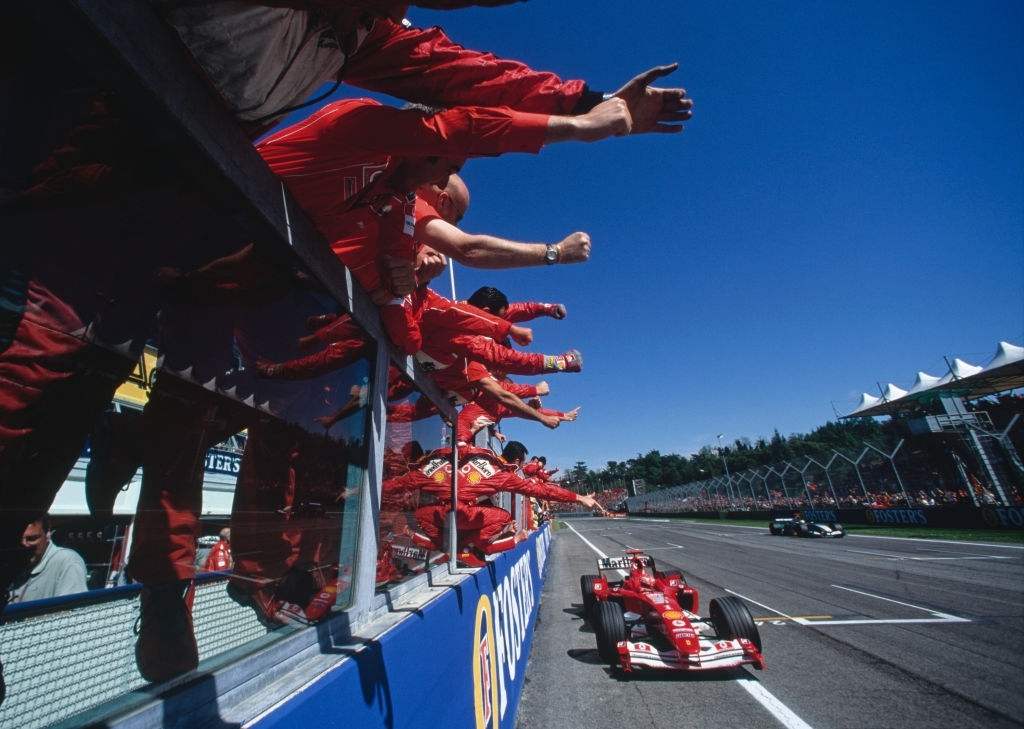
x: 551, y: 254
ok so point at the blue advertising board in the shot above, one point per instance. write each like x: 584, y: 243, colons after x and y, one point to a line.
x: 459, y: 661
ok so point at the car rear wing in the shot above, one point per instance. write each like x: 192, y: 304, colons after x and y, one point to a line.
x: 621, y: 563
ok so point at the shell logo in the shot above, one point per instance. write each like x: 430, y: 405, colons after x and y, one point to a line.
x: 485, y: 667
x: 474, y: 478
x: 439, y: 477
x: 671, y: 615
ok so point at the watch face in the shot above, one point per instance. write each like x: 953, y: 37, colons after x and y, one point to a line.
x: 551, y: 255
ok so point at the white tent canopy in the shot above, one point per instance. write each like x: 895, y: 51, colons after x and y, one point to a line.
x: 866, y: 401
x: 923, y: 381
x: 1004, y: 372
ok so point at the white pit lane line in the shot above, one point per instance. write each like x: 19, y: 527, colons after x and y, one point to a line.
x: 782, y: 713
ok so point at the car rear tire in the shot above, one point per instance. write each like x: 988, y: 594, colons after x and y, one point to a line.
x: 732, y: 619
x: 587, y: 588
x: 610, y: 628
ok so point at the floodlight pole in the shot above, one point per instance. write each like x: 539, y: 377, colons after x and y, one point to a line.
x: 725, y: 464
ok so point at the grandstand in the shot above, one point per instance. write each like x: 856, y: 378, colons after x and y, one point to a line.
x: 956, y: 442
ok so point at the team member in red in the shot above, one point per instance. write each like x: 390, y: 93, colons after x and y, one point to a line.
x: 482, y: 526
x: 354, y: 166
x: 486, y: 411
x: 535, y: 469
x: 438, y: 212
x: 219, y: 558
x: 267, y: 59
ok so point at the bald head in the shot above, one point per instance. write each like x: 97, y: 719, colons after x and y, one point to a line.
x: 451, y: 202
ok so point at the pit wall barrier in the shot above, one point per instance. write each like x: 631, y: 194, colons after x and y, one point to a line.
x: 947, y: 517
x: 459, y: 661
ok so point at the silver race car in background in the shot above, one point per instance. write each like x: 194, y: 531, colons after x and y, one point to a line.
x: 797, y: 526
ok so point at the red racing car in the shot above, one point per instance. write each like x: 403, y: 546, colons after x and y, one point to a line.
x: 649, y: 619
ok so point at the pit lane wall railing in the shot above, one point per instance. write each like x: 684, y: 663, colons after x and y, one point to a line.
x: 459, y: 661
x: 950, y: 517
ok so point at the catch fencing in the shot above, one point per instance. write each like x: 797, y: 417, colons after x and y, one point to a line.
x: 873, y: 477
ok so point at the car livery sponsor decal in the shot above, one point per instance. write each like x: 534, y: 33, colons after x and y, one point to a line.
x: 668, y: 614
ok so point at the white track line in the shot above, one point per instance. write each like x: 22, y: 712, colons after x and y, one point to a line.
x: 936, y: 613
x: 859, y: 536
x: 801, y: 621
x: 782, y: 713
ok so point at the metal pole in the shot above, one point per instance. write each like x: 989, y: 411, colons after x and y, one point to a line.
x: 453, y: 539
x: 892, y: 462
x: 725, y: 464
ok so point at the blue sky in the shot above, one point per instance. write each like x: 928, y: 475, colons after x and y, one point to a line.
x: 846, y: 206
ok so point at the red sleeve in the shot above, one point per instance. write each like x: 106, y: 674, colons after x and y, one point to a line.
x: 520, y: 389
x: 538, y: 489
x: 425, y: 212
x: 526, y: 310
x: 531, y: 469
x: 462, y: 318
x: 409, y: 412
x: 555, y: 493
x: 402, y: 326
x: 467, y: 131
x: 424, y: 65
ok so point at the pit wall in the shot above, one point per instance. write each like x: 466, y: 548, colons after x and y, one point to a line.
x: 949, y: 517
x: 460, y: 661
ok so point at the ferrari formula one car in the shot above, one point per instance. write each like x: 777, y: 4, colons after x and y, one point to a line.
x: 649, y: 619
x: 799, y: 527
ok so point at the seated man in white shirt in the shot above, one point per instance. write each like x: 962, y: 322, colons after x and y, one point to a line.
x: 51, y: 570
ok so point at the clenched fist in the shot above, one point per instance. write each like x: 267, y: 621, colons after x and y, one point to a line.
x: 574, y: 248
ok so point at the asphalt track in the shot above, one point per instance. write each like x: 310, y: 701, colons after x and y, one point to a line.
x: 858, y: 632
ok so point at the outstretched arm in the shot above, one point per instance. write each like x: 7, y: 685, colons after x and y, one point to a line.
x: 489, y: 251
x: 515, y: 404
x: 519, y: 311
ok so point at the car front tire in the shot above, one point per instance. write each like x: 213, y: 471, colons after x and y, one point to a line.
x: 610, y: 628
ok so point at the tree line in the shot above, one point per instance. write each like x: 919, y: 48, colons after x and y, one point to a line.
x: 658, y: 470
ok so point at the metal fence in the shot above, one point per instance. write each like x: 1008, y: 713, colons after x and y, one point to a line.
x: 989, y: 472
x: 61, y: 662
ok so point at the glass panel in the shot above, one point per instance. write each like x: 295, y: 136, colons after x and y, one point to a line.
x: 182, y: 409
x: 411, y: 536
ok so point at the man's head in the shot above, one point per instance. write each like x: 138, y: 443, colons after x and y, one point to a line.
x: 225, y: 534
x: 514, y: 452
x: 450, y: 201
x: 489, y: 299
x: 414, y: 172
x: 36, y: 538
x: 542, y: 460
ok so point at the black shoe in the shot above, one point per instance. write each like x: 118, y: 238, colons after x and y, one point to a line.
x: 167, y: 643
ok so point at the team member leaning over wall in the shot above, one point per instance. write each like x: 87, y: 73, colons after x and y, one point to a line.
x: 482, y: 527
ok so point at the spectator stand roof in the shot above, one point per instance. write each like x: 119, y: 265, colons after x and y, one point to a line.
x: 1005, y: 371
